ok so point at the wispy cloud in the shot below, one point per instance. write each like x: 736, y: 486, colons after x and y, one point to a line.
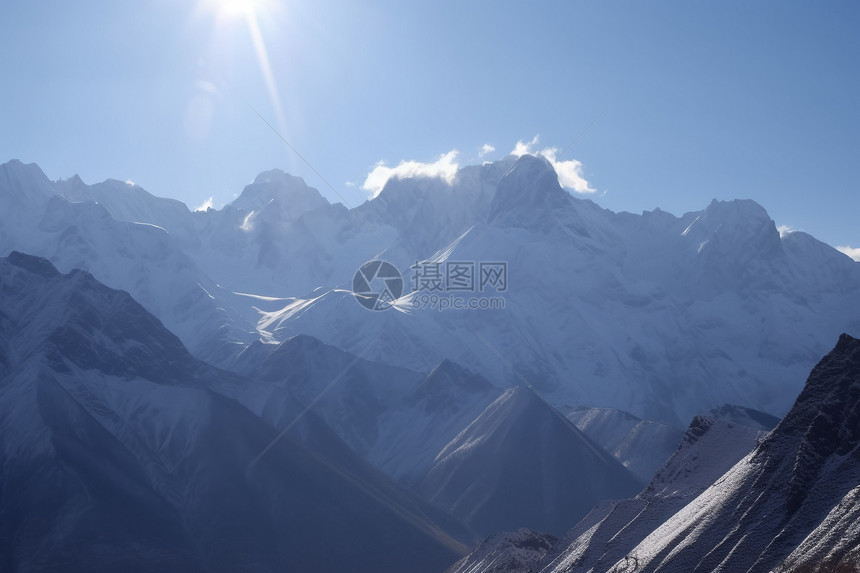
x: 485, y: 149
x: 569, y: 171
x: 785, y: 230
x: 526, y: 147
x: 444, y: 168
x: 853, y: 252
x: 207, y: 204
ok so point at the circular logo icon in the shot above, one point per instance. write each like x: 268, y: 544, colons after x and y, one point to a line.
x: 377, y: 284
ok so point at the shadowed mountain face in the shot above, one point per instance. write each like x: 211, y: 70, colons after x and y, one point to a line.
x: 642, y: 446
x: 745, y: 416
x: 396, y: 419
x: 120, y: 453
x: 488, y: 457
x: 521, y: 463
x: 606, y: 535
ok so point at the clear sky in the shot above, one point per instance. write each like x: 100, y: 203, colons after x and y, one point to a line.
x: 686, y: 101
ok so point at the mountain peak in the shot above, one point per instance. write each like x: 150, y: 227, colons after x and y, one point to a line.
x: 100, y: 327
x: 36, y: 265
x: 553, y: 474
x: 529, y: 186
x: 746, y: 416
x: 509, y: 552
x: 827, y: 412
x: 708, y: 449
x: 277, y: 175
x: 460, y: 376
x: 737, y: 209
x: 742, y: 217
x: 23, y: 179
x: 446, y: 386
x: 289, y: 195
x: 755, y: 515
x: 531, y: 166
x: 18, y: 167
x: 733, y: 242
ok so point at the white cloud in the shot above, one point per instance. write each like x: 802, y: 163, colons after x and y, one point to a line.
x: 444, y: 168
x: 569, y: 171
x: 207, y: 204
x: 523, y: 148
x: 129, y: 182
x: 785, y: 230
x: 853, y: 252
x: 485, y: 149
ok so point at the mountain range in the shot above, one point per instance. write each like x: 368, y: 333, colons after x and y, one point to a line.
x: 121, y: 451
x: 203, y: 391
x: 661, y: 316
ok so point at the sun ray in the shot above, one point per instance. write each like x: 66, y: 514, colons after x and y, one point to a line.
x: 266, y: 69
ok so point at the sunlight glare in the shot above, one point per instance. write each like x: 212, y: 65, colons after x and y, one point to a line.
x: 238, y: 8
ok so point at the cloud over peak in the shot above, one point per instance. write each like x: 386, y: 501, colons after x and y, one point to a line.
x: 853, y: 252
x: 569, y: 171
x: 444, y: 168
x: 207, y: 204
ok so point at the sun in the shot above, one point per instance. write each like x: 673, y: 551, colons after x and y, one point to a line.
x: 237, y: 8
x: 229, y: 13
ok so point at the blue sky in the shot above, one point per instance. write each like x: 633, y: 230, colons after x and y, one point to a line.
x: 686, y: 102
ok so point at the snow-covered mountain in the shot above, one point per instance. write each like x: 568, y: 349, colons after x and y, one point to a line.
x: 120, y: 452
x: 396, y: 419
x: 832, y: 546
x: 442, y: 405
x: 707, y: 450
x: 413, y: 428
x: 657, y: 315
x: 744, y: 416
x: 790, y: 500
x: 790, y: 504
x: 661, y: 316
x: 522, y: 464
x: 642, y: 446
x: 511, y: 552
x: 135, y: 255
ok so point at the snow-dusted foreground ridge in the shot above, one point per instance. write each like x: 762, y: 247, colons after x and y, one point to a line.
x: 756, y: 515
x: 791, y: 504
